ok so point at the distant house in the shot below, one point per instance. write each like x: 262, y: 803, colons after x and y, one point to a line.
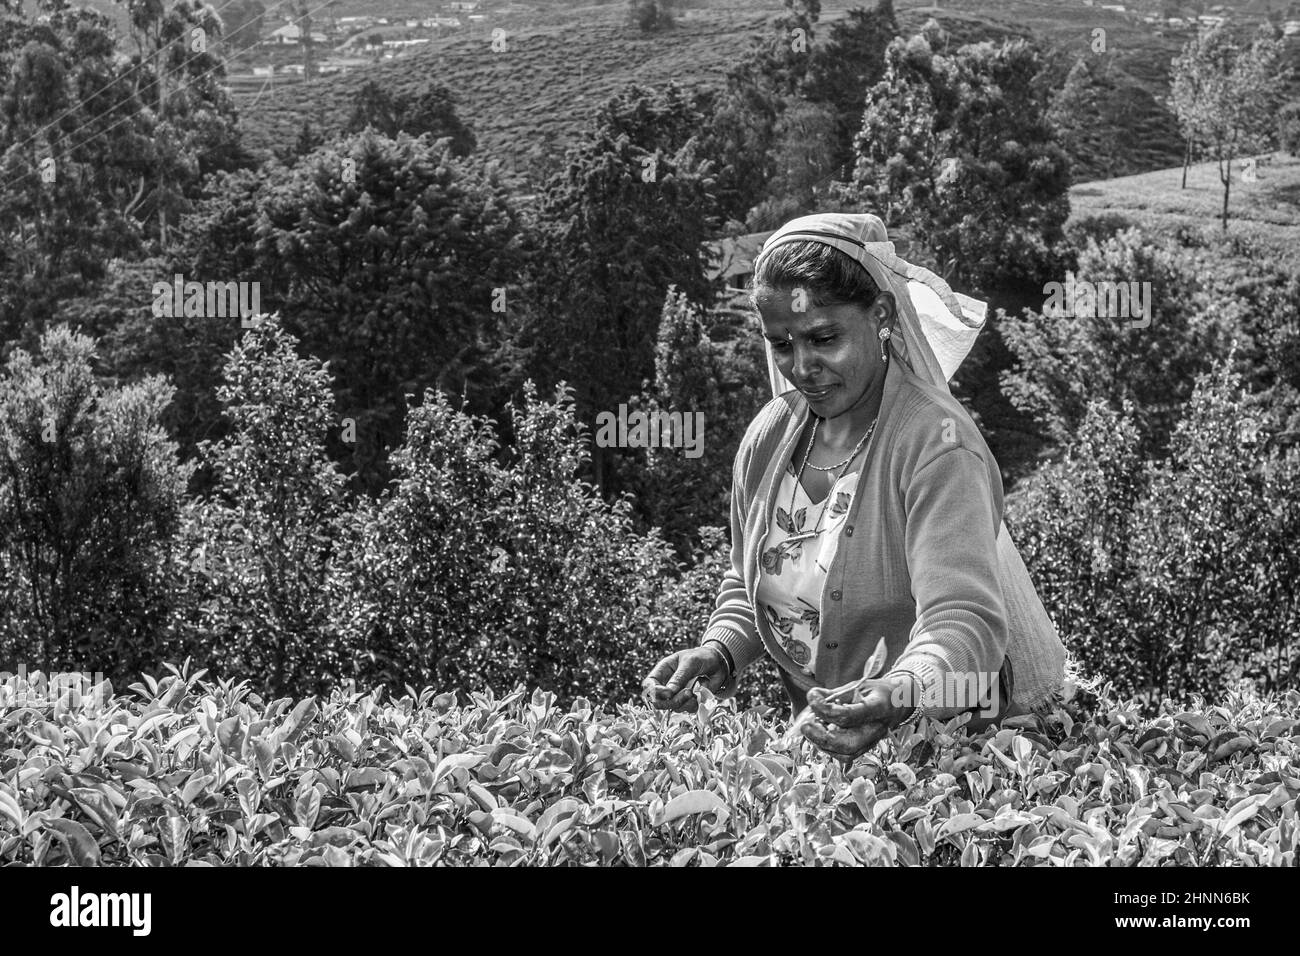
x: 732, y: 257
x: 1291, y: 27
x: 291, y: 35
x: 463, y: 6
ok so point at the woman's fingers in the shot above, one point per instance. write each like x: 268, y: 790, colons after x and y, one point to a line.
x: 876, y: 706
x: 671, y: 685
x: 846, y: 742
x: 663, y: 670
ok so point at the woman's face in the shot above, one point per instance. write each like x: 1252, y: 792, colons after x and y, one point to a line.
x: 831, y: 353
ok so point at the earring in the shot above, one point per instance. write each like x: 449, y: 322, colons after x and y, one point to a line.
x: 884, y: 337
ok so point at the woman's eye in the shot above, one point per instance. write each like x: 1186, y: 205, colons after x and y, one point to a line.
x: 824, y: 340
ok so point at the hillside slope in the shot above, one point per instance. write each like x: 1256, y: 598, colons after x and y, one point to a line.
x: 527, y: 103
x: 1266, y: 211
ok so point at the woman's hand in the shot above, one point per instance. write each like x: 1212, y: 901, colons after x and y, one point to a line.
x: 670, y: 685
x: 848, y: 730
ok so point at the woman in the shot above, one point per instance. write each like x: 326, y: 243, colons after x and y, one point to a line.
x: 866, y: 515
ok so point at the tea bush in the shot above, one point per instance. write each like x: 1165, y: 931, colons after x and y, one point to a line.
x: 479, y: 569
x: 259, y: 550
x: 1171, y: 576
x: 184, y: 771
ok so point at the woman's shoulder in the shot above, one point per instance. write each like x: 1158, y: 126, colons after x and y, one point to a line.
x: 930, y: 422
x: 773, y: 416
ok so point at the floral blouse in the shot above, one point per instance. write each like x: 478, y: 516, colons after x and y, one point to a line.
x: 792, y: 573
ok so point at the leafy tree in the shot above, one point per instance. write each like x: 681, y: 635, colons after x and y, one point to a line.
x: 740, y: 136
x: 1172, y: 576
x: 624, y: 220
x: 1214, y: 550
x: 850, y: 62
x: 389, y: 259
x: 132, y: 343
x: 804, y: 151
x: 960, y: 147
x: 651, y: 16
x: 431, y: 110
x: 260, y: 548
x: 180, y: 74
x: 91, y: 493
x: 1066, y: 360
x: 1074, y: 112
x: 75, y: 147
x: 695, y: 375
x: 242, y: 22
x: 1288, y: 127
x: 474, y: 571
x: 1226, y: 96
x: 1072, y: 521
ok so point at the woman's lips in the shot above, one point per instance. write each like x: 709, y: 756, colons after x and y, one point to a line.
x: 816, y: 395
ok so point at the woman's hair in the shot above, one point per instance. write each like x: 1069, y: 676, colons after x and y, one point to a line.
x: 830, y: 277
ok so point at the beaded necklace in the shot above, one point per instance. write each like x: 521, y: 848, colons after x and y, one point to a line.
x: 799, y: 478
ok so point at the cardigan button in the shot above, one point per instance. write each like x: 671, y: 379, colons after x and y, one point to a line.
x: 848, y: 531
x: 832, y: 645
x: 836, y: 594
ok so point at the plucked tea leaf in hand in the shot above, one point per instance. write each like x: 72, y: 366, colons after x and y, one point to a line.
x: 876, y: 662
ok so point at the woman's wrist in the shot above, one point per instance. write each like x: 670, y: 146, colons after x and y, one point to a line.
x: 725, y: 654
x: 911, y: 692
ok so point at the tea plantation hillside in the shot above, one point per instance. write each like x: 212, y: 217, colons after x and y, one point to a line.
x: 526, y: 103
x: 1263, y: 214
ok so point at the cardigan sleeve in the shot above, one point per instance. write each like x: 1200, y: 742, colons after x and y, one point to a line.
x: 732, y: 622
x: 958, y: 642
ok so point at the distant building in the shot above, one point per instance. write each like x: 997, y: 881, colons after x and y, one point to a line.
x: 463, y: 6
x: 734, y: 257
x: 1291, y: 27
x: 291, y: 35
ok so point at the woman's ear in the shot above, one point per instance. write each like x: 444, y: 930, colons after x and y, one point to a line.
x: 884, y: 310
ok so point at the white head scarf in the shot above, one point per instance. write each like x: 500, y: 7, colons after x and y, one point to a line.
x: 936, y: 327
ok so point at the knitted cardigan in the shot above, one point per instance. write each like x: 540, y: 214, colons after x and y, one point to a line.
x: 918, y: 559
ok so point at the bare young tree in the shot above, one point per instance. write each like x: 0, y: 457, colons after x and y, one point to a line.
x: 1225, y: 96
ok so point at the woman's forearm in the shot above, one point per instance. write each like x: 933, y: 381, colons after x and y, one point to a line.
x: 732, y: 622
x: 960, y: 636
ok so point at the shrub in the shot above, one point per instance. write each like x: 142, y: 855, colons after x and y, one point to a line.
x: 260, y: 547
x: 1064, y: 361
x: 197, y: 773
x: 473, y: 571
x: 1214, y: 550
x: 91, y: 494
x: 1171, y: 576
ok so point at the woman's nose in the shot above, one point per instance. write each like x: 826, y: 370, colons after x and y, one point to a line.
x: 805, y: 365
